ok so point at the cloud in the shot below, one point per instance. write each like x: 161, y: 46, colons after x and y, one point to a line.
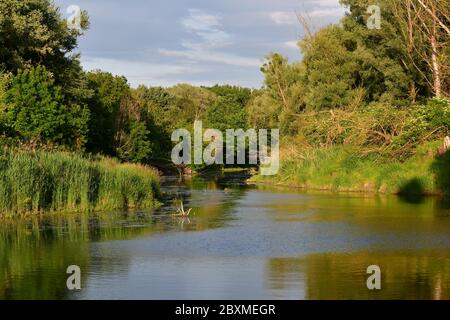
x: 291, y: 44
x: 283, y: 17
x: 156, y: 43
x: 322, y: 8
x: 140, y: 72
x: 207, y: 28
x: 326, y: 3
x: 215, y: 57
x: 330, y: 12
x: 209, y: 37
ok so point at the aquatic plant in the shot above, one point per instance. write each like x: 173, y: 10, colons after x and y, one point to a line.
x: 181, y: 212
x: 36, y: 182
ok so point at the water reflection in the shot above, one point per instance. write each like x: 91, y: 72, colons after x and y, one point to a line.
x: 405, y: 275
x: 35, y: 252
x: 240, y: 242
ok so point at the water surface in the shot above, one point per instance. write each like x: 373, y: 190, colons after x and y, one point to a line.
x: 241, y: 242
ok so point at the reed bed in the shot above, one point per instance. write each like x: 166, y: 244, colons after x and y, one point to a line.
x: 348, y: 169
x: 37, y: 182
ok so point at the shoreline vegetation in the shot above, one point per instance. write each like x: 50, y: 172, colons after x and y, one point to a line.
x: 339, y: 169
x: 38, y: 182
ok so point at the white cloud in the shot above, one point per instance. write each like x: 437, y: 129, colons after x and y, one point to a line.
x: 330, y: 12
x: 207, y: 28
x: 326, y: 3
x: 291, y: 44
x: 322, y: 8
x: 210, y: 56
x: 199, y: 20
x: 283, y: 17
x: 209, y: 37
x: 140, y: 72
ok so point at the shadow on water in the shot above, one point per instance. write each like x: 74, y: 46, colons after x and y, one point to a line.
x: 412, y: 191
x: 441, y: 169
x: 35, y: 252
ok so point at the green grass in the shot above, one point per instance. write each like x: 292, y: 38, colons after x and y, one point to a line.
x: 344, y: 168
x: 36, y: 182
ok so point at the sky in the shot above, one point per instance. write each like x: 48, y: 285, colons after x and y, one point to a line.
x: 202, y: 42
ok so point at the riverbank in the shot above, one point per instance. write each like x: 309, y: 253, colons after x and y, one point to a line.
x: 38, y: 182
x: 345, y: 169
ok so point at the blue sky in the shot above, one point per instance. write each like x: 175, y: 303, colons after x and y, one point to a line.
x: 202, y: 42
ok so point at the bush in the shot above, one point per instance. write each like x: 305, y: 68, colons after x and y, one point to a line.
x: 431, y: 118
x: 377, y: 128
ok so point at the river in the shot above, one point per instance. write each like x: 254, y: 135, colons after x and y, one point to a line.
x: 240, y: 242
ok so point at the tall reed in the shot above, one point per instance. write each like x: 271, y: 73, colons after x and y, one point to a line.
x: 35, y: 182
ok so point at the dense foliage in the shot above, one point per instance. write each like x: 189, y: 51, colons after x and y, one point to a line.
x: 34, y: 108
x: 384, y: 91
x: 33, y: 182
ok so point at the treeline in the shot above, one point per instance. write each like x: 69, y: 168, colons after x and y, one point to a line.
x: 383, y: 90
x: 48, y: 101
x: 365, y: 109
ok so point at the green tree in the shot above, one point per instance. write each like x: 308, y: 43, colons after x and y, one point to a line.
x: 32, y: 33
x: 227, y: 113
x: 193, y: 101
x: 35, y: 109
x: 135, y: 145
x: 4, y: 81
x: 229, y: 110
x: 332, y: 69
x: 282, y: 96
x: 385, y: 72
x: 160, y: 115
x: 109, y: 92
x: 240, y: 94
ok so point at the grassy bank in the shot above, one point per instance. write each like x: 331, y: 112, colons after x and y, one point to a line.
x: 347, y: 169
x: 35, y: 182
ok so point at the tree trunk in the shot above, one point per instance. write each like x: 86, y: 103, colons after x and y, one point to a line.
x: 434, y: 58
x: 412, y: 86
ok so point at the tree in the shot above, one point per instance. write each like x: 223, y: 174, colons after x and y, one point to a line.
x: 4, y: 82
x: 241, y: 95
x: 109, y: 92
x: 282, y: 95
x: 229, y: 110
x: 411, y: 46
x: 135, y: 145
x: 227, y: 113
x: 425, y: 27
x: 160, y: 113
x: 264, y: 111
x: 194, y: 101
x: 35, y: 109
x: 32, y: 32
